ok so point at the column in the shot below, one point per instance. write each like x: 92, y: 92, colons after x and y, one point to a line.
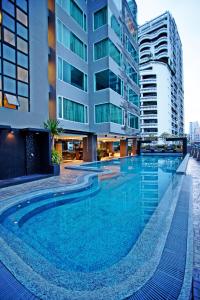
x: 123, y: 148
x: 134, y: 146
x: 90, y: 148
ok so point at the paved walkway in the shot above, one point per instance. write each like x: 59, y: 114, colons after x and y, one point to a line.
x: 194, y: 171
x: 66, y: 178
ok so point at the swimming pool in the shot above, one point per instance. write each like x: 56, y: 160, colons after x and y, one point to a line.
x: 91, y: 230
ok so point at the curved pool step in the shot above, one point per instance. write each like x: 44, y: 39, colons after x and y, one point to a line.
x: 27, y: 209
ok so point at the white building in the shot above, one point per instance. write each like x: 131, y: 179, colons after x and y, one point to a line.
x: 194, y: 132
x: 161, y: 78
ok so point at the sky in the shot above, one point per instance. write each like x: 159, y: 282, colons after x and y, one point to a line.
x: 187, y: 16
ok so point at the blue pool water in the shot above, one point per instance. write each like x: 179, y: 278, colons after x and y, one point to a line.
x: 95, y: 228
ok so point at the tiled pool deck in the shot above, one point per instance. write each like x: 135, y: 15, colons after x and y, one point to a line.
x: 194, y: 171
x: 10, y: 288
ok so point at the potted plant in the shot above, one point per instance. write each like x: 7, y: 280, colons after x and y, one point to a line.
x: 56, y: 160
x: 53, y: 127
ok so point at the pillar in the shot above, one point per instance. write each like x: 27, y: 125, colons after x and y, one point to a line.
x: 58, y: 147
x: 123, y: 148
x: 90, y: 148
x: 134, y: 147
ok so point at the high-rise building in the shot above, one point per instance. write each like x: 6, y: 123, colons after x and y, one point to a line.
x: 161, y: 77
x: 194, y: 132
x: 75, y: 61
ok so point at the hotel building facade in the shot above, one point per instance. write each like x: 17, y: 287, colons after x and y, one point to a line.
x: 161, y: 77
x: 75, y: 61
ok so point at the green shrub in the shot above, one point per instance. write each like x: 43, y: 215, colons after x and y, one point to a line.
x: 56, y: 157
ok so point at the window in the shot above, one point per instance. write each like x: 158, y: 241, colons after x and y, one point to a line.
x: 115, y: 26
x: 9, y: 37
x: 132, y: 73
x: 101, y: 49
x: 22, y: 17
x: 131, y: 50
x: 107, y: 48
x: 133, y: 97
x: 22, y: 4
x: 22, y: 74
x: 8, y: 53
x: 22, y: 31
x: 8, y: 22
x: 9, y: 69
x: 22, y: 89
x: 74, y: 11
x: 9, y: 7
x: 22, y: 45
x: 108, y: 112
x: 60, y: 107
x: 9, y: 85
x: 107, y: 79
x: 78, y: 47
x: 22, y: 60
x: 133, y: 121
x: 72, y: 111
x: 72, y: 75
x: 100, y: 18
x: 71, y: 41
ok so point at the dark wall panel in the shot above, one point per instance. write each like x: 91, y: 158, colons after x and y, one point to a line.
x: 12, y: 154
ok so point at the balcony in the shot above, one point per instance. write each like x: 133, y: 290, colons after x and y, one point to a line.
x: 149, y: 125
x: 148, y: 107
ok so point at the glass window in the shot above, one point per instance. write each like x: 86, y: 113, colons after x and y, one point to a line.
x: 60, y: 108
x: 9, y: 85
x: 8, y: 53
x: 85, y: 22
x: 22, y: 31
x: 133, y: 121
x: 66, y: 37
x: 114, y: 53
x: 23, y: 104
x: 76, y: 13
x: 72, y: 75
x: 8, y: 22
x: 22, y: 89
x: 60, y: 68
x: 77, y: 46
x: 9, y: 7
x: 9, y: 37
x: 22, y: 4
x: 59, y: 31
x: 101, y: 49
x: 9, y: 69
x: 115, y: 26
x: 132, y: 73
x: 22, y: 17
x: 22, y: 74
x: 77, y: 78
x: 22, y: 60
x: 105, y: 48
x: 133, y: 97
x: 100, y: 17
x: 22, y: 45
x: 102, y: 80
x: 108, y: 113
x: 131, y: 50
x: 107, y: 79
x: 73, y: 111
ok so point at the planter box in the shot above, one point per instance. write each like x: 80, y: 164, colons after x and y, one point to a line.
x: 55, y: 169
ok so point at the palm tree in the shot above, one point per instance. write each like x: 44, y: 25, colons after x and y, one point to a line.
x: 52, y: 126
